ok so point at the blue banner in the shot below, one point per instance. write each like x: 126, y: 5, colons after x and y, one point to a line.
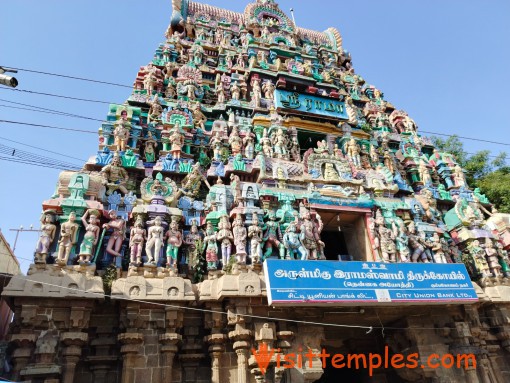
x: 317, y: 282
x: 310, y: 104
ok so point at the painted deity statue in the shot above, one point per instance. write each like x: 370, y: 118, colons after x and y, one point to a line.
x: 492, y: 258
x: 295, y: 150
x: 91, y: 236
x: 268, y: 89
x: 459, y: 179
x: 118, y: 225
x: 267, y: 145
x: 255, y: 237
x: 68, y: 237
x: 192, y: 240
x: 235, y: 141
x: 176, y: 139
x: 309, y: 237
x: 155, y: 241
x: 256, y: 93
x: 155, y: 109
x: 249, y: 147
x: 280, y: 144
x: 419, y: 247
x: 137, y: 238
x: 292, y: 243
x: 114, y: 175
x: 437, y: 249
x: 479, y: 261
x: 199, y: 118
x: 272, y: 237
x: 235, y: 91
x: 211, y: 247
x: 48, y: 231
x: 225, y: 237
x: 423, y: 171
x: 121, y: 131
x: 353, y: 150
x: 240, y: 234
x: 174, y: 242
x: 150, y: 149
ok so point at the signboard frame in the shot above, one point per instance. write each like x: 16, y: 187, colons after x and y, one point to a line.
x: 291, y: 282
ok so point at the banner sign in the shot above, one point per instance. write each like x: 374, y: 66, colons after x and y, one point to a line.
x: 310, y: 104
x: 317, y: 282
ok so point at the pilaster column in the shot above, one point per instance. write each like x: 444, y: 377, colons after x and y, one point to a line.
x: 74, y: 342
x: 24, y: 346
x: 131, y: 344
x: 169, y: 346
x: 216, y: 348
x: 242, y: 342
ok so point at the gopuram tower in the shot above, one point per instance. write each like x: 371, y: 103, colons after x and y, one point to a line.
x: 253, y: 195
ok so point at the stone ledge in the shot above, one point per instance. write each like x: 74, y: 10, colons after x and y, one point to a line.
x: 153, y: 289
x: 49, y: 281
x: 246, y: 284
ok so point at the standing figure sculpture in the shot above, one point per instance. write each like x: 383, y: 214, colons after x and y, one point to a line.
x: 240, y: 234
x: 459, y: 179
x: 177, y: 141
x: 155, y: 241
x: 68, y: 237
x: 118, y: 225
x: 292, y: 243
x: 353, y: 150
x: 273, y: 237
x: 256, y: 94
x: 309, y: 238
x: 211, y: 247
x: 192, y: 240
x: 91, y: 236
x: 255, y: 236
x: 235, y: 141
x: 235, y: 92
x: 121, y: 131
x: 225, y: 237
x: 174, y: 242
x: 137, y: 238
x: 492, y: 258
x: 419, y: 246
x: 48, y: 230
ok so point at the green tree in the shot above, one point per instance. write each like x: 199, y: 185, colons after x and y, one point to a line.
x: 491, y: 176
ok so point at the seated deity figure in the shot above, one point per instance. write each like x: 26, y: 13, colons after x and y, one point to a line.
x: 114, y: 175
x: 68, y: 237
x: 330, y: 173
x: 154, y: 241
x: 137, y: 238
x: 46, y: 238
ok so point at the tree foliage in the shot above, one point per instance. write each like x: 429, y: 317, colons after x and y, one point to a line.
x: 491, y: 176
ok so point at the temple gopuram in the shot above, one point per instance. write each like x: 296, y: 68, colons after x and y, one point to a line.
x: 254, y: 194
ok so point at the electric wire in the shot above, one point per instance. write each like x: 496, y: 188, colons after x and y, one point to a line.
x: 48, y: 126
x: 43, y: 149
x: 71, y: 77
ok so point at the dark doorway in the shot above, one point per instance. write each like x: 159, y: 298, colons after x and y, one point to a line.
x: 309, y: 140
x: 335, y: 248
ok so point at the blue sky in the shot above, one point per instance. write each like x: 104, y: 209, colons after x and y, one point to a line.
x: 444, y: 62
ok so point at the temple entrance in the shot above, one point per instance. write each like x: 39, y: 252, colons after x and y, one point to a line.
x: 344, y: 235
x: 336, y: 248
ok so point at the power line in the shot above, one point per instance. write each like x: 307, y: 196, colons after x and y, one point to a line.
x: 466, y: 138
x: 8, y: 159
x: 60, y: 96
x: 46, y: 150
x: 40, y: 109
x: 72, y: 77
x: 47, y: 126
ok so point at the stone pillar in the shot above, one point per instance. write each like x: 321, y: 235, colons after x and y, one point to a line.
x: 169, y: 347
x: 242, y: 343
x: 24, y: 346
x: 73, y: 341
x: 216, y: 348
x: 131, y: 344
x: 284, y: 344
